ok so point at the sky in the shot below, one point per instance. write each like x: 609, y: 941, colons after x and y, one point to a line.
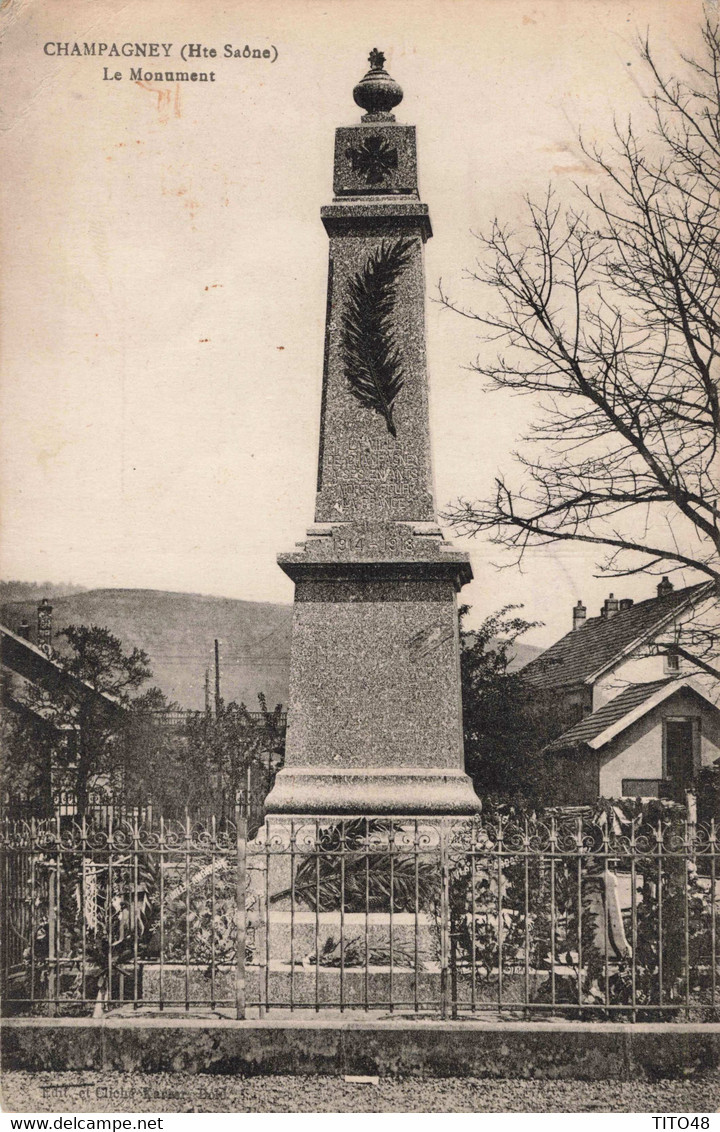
x: 164, y: 268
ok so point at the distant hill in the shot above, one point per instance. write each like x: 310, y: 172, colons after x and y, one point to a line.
x: 34, y: 591
x: 523, y: 655
x: 178, y: 630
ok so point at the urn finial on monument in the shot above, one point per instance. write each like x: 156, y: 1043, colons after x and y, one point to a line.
x: 377, y: 93
x: 376, y: 156
x: 374, y: 714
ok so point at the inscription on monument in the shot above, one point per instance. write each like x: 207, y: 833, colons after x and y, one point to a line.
x: 369, y: 460
x: 377, y: 501
x: 370, y: 476
x: 373, y: 539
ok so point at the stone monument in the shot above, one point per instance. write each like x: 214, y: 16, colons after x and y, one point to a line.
x: 374, y: 717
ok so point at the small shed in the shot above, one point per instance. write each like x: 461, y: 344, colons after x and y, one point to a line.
x: 650, y: 741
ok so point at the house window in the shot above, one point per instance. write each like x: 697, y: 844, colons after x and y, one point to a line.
x: 681, y: 749
x: 672, y: 662
x: 642, y: 788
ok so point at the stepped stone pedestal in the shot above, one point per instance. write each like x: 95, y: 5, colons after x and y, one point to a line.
x: 374, y: 719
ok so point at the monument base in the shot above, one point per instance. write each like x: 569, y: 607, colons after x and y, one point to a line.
x: 372, y: 790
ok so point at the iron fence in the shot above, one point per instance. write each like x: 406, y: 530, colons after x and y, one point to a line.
x: 494, y: 917
x: 101, y: 916
x: 181, y: 717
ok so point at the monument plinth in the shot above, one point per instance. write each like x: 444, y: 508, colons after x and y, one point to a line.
x: 374, y: 718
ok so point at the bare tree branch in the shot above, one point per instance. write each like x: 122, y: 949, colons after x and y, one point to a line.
x: 609, y: 315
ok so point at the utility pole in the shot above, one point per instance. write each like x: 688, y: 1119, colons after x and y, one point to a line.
x: 217, y: 677
x: 207, y: 691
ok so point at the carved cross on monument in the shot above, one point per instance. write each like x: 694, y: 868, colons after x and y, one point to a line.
x: 375, y: 718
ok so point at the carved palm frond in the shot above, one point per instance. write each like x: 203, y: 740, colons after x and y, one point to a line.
x: 372, y: 358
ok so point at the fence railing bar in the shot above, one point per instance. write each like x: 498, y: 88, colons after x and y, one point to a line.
x: 317, y: 918
x: 686, y: 910
x: 416, y: 925
x: 108, y: 908
x: 240, y: 911
x: 51, y: 931
x: 136, y: 886
x: 473, y: 929
x: 606, y: 914
x: 553, y: 843
x: 713, y: 917
x: 266, y: 934
x: 187, y: 910
x: 58, y: 941
x: 500, y: 926
x: 162, y: 911
x: 391, y: 848
x: 579, y: 841
x: 213, y: 905
x: 366, y: 980
x: 33, y: 909
x: 444, y: 920
x: 84, y: 910
x: 660, y: 925
x: 293, y: 902
x: 633, y: 925
x: 343, y: 857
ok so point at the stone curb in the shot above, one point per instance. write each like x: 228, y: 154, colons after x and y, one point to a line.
x: 404, y: 1048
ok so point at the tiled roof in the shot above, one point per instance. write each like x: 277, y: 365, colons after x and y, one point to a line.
x: 609, y: 713
x: 582, y: 652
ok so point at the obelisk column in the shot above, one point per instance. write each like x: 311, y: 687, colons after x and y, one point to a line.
x: 374, y: 719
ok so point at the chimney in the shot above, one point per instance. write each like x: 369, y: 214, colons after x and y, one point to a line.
x: 625, y: 603
x: 579, y: 615
x: 610, y: 607
x: 44, y: 622
x: 24, y: 629
x: 665, y: 587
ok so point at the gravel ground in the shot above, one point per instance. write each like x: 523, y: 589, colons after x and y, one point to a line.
x: 177, y: 1092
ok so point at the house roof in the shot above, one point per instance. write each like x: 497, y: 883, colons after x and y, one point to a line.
x: 27, y: 660
x: 635, y: 701
x: 582, y: 654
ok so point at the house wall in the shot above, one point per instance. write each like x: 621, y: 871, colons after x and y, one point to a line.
x: 19, y: 689
x: 634, y: 670
x: 638, y: 751
x: 641, y: 667
x: 572, y: 703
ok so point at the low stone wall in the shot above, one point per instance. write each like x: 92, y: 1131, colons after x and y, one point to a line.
x: 305, y: 933
x: 279, y: 985
x: 408, y: 1048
